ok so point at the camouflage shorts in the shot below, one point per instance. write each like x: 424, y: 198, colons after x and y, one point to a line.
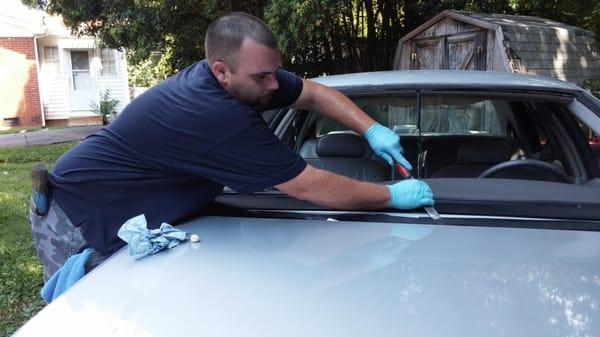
x: 55, y: 238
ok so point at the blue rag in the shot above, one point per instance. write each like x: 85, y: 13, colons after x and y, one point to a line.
x: 143, y: 241
x: 66, y: 276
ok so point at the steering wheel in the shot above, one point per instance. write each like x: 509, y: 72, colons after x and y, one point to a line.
x: 526, y: 168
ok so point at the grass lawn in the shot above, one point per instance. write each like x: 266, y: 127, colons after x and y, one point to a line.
x: 20, y: 271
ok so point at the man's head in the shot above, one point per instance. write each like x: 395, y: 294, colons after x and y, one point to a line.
x: 242, y: 53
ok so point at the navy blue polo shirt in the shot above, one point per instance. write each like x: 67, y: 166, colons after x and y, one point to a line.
x: 169, y: 153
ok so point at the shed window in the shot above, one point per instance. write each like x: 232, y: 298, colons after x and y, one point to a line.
x: 109, y: 62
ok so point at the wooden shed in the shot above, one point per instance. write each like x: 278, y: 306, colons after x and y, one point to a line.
x: 499, y: 42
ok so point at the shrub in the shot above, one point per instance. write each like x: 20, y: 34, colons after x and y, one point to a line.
x: 106, y: 107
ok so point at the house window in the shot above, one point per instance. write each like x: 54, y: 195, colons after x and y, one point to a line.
x: 109, y: 62
x: 51, y: 58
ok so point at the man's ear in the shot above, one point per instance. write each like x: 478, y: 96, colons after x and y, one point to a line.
x: 221, y: 72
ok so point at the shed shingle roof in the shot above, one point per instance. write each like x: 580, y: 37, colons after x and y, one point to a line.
x: 547, y: 47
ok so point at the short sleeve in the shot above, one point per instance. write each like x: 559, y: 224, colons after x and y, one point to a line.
x: 290, y: 87
x: 251, y: 160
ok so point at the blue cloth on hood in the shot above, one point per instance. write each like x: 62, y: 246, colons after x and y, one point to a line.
x: 66, y: 276
x: 143, y: 241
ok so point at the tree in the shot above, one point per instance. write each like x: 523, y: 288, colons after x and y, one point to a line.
x: 174, y: 28
x: 147, y: 72
x: 328, y: 36
x: 316, y: 36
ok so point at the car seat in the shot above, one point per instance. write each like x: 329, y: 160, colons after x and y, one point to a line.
x: 346, y: 154
x: 474, y: 157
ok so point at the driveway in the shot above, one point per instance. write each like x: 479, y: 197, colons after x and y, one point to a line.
x: 48, y: 136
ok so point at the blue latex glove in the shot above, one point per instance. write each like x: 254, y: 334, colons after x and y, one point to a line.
x: 386, y: 144
x: 410, y: 193
x: 143, y: 241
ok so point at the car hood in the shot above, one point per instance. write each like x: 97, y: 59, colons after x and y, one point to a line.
x: 282, y: 277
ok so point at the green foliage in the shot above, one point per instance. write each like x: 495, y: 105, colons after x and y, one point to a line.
x: 592, y: 21
x: 20, y: 271
x: 593, y: 85
x: 316, y: 36
x: 174, y: 28
x: 148, y: 72
x: 559, y: 10
x: 106, y: 107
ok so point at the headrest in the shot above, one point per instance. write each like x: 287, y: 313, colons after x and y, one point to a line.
x: 483, y: 151
x: 341, y: 145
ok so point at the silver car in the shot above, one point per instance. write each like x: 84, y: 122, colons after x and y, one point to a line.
x: 515, y: 170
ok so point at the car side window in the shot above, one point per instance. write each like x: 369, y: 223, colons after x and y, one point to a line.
x: 463, y: 115
x: 440, y: 115
x: 395, y: 112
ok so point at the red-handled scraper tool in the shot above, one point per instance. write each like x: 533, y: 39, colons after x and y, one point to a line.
x: 405, y: 174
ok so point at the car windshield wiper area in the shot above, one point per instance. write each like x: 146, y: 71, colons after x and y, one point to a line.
x: 217, y: 209
x: 463, y: 196
x: 515, y: 197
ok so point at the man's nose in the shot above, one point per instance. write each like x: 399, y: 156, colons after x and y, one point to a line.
x: 273, y: 83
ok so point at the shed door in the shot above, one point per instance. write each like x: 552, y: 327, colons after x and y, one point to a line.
x: 428, y: 53
x: 465, y: 51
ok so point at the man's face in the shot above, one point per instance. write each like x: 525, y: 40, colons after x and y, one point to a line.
x: 253, y: 79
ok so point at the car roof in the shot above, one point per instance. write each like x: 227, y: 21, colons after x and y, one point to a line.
x: 449, y: 79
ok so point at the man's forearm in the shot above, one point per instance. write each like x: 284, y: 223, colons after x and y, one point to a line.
x: 325, y: 188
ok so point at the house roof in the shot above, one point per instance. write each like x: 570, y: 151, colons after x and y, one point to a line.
x: 18, y: 20
x: 11, y: 26
x: 535, y: 45
x: 521, y: 21
x: 547, y: 47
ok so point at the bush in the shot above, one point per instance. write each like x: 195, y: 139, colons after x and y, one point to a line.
x: 593, y: 85
x: 106, y: 108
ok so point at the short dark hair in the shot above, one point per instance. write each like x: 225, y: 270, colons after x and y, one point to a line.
x: 225, y: 35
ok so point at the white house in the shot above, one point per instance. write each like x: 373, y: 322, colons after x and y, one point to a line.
x: 40, y: 60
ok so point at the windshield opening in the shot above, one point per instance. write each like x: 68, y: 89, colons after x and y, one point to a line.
x: 451, y: 135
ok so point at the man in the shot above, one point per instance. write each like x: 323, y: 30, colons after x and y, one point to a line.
x: 172, y: 149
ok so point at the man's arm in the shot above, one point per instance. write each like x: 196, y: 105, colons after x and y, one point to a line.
x: 335, y: 191
x: 325, y: 188
x: 337, y: 106
x: 334, y: 105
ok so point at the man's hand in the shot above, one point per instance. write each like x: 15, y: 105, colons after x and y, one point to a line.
x: 410, y: 193
x: 386, y: 144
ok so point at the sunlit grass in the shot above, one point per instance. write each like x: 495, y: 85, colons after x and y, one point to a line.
x: 20, y: 271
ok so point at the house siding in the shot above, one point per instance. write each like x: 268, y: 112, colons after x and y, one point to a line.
x: 54, y: 84
x: 56, y: 97
x: 56, y: 88
x: 117, y: 84
x: 21, y: 89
